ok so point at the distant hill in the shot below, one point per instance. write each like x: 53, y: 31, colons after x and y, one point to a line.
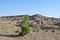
x: 35, y: 19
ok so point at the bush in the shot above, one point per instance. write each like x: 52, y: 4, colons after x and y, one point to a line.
x: 53, y: 31
x: 25, y: 26
x: 25, y: 30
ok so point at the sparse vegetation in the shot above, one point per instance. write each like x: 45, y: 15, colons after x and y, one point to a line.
x: 46, y: 30
x: 36, y: 28
x: 53, y: 30
x: 42, y: 32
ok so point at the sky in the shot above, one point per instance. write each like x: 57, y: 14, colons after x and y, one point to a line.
x: 50, y: 8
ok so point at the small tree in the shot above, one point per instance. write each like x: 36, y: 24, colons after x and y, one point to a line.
x: 25, y: 26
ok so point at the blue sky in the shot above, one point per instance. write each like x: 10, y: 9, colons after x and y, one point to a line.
x: 49, y: 8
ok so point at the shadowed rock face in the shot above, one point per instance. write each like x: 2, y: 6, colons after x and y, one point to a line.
x: 35, y: 19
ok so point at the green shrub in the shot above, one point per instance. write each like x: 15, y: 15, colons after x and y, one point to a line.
x: 25, y: 26
x: 25, y: 30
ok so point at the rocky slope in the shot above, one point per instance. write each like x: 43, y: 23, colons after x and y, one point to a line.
x: 35, y: 19
x: 8, y: 27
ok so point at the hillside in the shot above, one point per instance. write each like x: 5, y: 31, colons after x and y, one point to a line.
x: 42, y: 28
x: 38, y: 19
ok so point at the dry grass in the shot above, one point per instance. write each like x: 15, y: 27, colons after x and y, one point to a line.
x: 8, y: 28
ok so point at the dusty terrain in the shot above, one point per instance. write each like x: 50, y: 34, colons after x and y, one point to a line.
x: 8, y: 28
